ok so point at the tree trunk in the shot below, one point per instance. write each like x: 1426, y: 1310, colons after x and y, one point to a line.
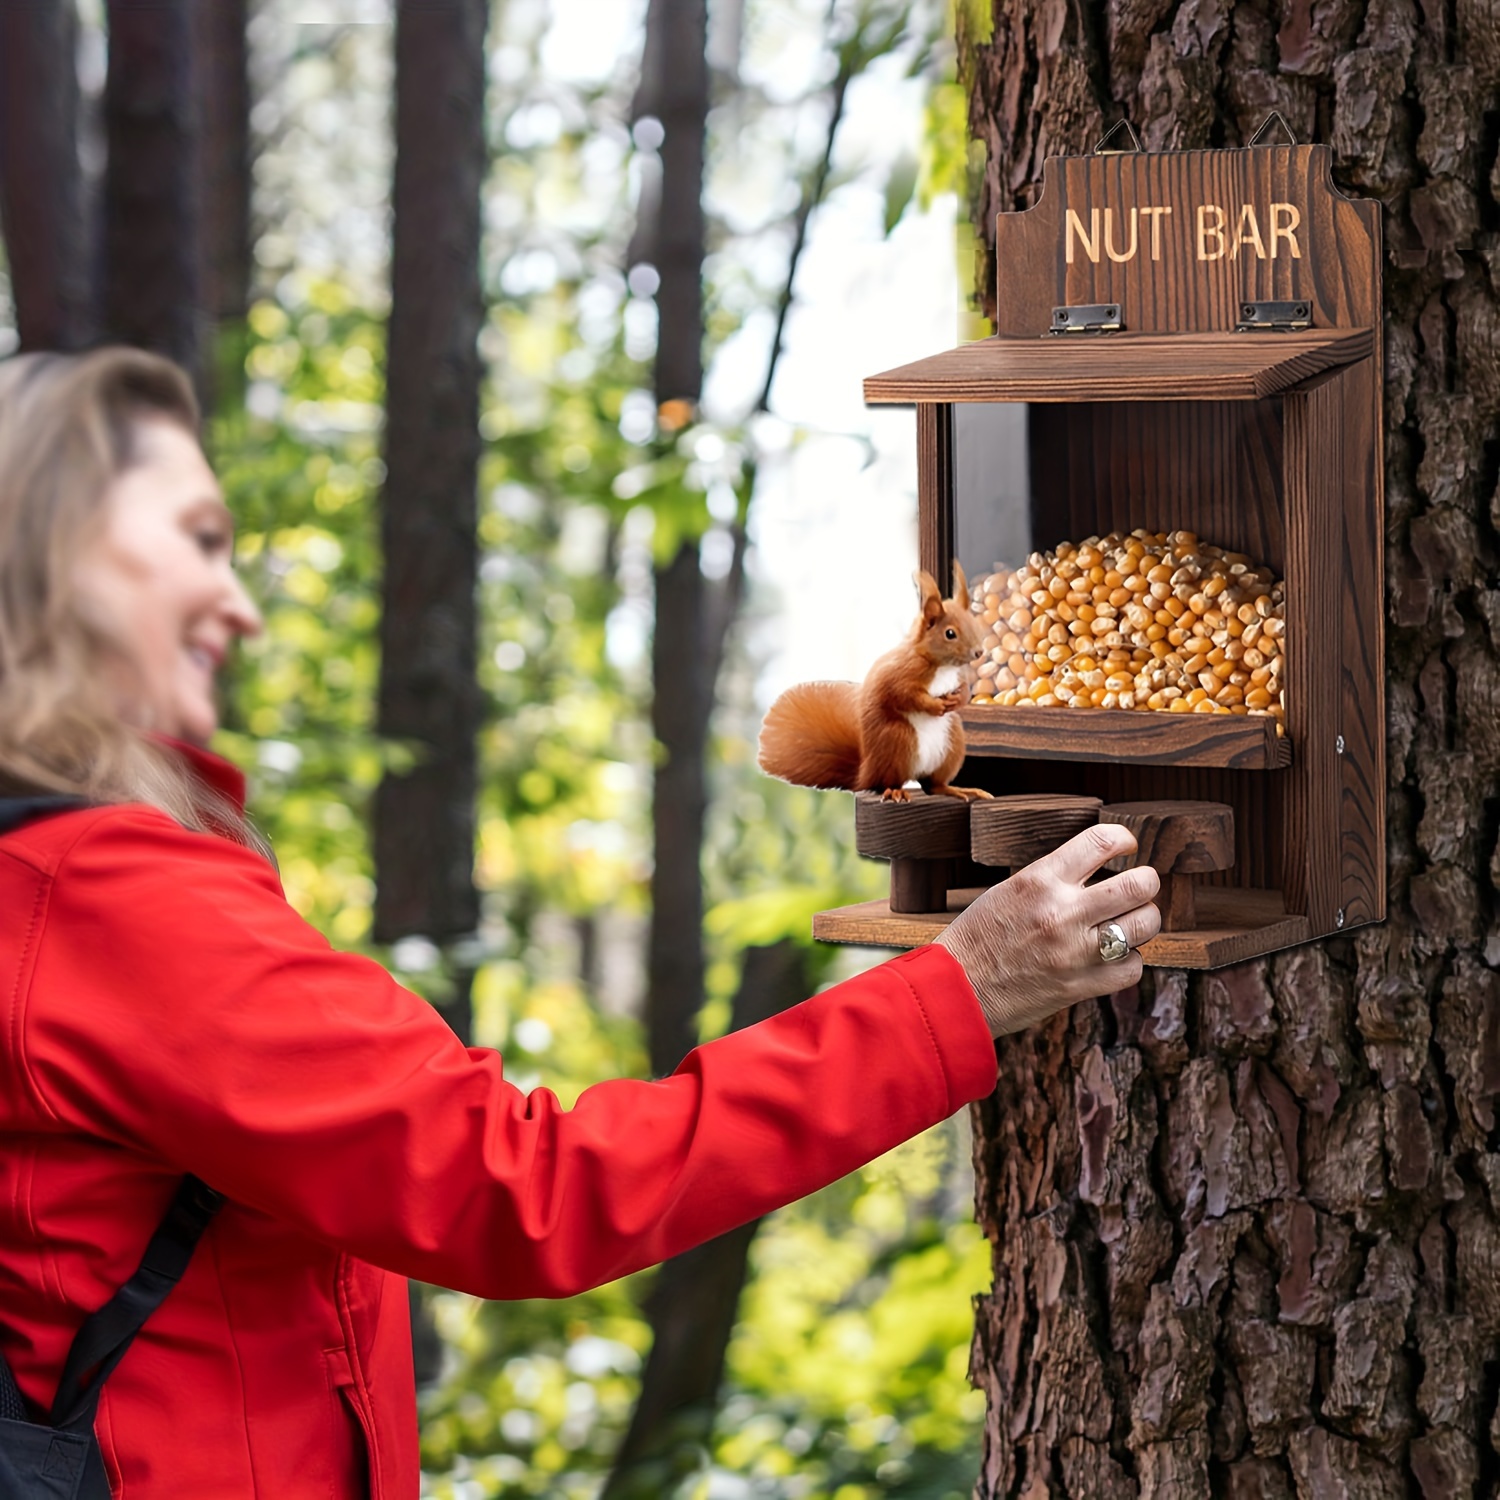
x: 693, y: 1302
x: 696, y: 1296
x: 424, y: 818
x: 41, y: 177
x: 675, y: 90
x: 1245, y: 1226
x: 221, y: 81
x: 151, y: 294
x: 681, y: 706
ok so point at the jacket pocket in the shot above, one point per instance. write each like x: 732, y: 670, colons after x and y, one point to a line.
x: 351, y: 1428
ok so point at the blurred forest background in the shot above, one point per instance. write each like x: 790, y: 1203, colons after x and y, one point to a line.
x: 529, y: 338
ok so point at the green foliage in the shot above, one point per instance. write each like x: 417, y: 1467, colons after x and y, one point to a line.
x: 301, y: 478
x: 846, y: 1375
x: 846, y: 1372
x: 847, y: 1368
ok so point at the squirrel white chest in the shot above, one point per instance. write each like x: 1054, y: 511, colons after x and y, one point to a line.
x: 935, y: 731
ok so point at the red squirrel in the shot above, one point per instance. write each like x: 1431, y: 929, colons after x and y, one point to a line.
x: 899, y: 725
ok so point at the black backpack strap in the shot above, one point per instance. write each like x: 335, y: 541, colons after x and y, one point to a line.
x: 14, y: 811
x: 105, y: 1336
x: 12, y: 1405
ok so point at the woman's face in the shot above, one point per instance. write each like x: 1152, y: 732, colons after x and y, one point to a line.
x: 158, y: 581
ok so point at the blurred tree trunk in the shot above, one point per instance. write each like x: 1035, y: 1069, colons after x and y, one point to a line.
x: 674, y: 88
x: 424, y: 817
x: 1245, y: 1224
x: 221, y: 82
x: 151, y: 279
x: 41, y: 178
x: 696, y: 1296
x: 693, y: 1302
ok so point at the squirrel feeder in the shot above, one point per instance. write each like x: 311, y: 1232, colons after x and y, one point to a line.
x: 1186, y: 342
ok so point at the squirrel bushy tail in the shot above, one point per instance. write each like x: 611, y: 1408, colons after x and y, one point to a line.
x: 811, y: 736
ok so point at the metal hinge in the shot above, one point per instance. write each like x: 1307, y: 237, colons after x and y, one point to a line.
x: 1274, y: 317
x: 1094, y: 317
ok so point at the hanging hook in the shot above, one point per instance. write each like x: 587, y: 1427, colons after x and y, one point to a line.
x: 1114, y: 130
x: 1274, y: 118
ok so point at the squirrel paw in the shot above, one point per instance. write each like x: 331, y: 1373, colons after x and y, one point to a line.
x: 964, y: 793
x: 895, y: 794
x: 956, y: 699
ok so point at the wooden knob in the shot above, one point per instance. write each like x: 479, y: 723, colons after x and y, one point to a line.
x: 1178, y: 840
x: 923, y: 828
x: 923, y: 838
x: 1013, y: 831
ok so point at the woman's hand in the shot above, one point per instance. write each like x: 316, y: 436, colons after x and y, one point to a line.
x: 1030, y: 945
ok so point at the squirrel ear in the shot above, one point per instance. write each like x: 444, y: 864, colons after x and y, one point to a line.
x: 960, y: 586
x: 931, y: 595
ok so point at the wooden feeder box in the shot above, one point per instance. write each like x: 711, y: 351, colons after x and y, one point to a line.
x: 1187, y: 341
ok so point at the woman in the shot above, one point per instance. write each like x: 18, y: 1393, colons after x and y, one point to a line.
x: 163, y: 1011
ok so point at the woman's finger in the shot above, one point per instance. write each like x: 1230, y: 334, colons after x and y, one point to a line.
x: 1109, y: 979
x: 1086, y: 853
x: 1119, y: 893
x: 1139, y: 925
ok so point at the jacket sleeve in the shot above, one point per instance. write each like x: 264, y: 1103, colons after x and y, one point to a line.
x: 178, y: 1006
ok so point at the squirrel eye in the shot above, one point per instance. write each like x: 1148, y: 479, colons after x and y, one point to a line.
x: 951, y: 633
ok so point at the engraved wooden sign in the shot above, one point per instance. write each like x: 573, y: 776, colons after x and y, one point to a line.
x: 1181, y: 241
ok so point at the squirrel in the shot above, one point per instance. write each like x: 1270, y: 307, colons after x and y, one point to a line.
x: 899, y: 725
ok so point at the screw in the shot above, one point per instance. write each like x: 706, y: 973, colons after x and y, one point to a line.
x: 1338, y: 921
x: 1338, y: 745
x: 1111, y: 312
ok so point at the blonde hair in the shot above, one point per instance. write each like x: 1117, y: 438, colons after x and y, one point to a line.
x: 68, y: 426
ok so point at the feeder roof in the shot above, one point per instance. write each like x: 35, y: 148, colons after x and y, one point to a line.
x: 1124, y: 367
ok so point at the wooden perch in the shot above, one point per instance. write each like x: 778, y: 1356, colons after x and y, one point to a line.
x: 1178, y: 840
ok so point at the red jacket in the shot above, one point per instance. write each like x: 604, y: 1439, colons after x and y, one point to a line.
x: 163, y: 1010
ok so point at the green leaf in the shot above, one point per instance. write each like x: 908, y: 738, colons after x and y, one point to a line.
x: 900, y: 185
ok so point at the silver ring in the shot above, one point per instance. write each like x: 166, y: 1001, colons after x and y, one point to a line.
x: 1113, y: 944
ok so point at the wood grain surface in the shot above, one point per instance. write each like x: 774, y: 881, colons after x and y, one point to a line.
x: 1175, y: 837
x: 925, y: 827
x: 1257, y: 800
x: 1210, y: 467
x: 1335, y: 848
x: 1012, y: 831
x: 1362, y: 788
x: 1234, y: 741
x: 921, y: 885
x: 935, y: 489
x: 1336, y: 272
x: 1234, y: 925
x: 1179, y: 840
x: 1223, y: 366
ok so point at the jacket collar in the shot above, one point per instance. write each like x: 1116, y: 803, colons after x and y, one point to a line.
x: 212, y: 770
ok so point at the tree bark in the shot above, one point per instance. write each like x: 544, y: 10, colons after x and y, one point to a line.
x: 221, y: 81
x: 424, y: 818
x: 1245, y: 1227
x: 151, y: 283
x: 676, y: 90
x: 681, y: 706
x: 41, y: 177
